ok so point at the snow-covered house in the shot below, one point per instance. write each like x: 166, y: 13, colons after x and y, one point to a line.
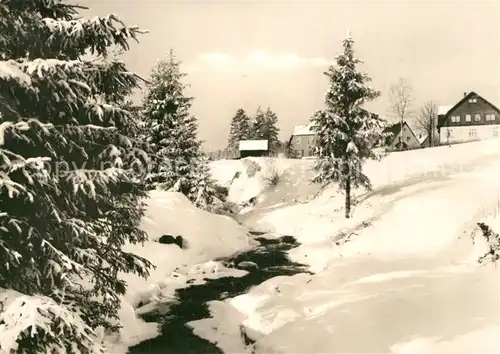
x: 425, y: 139
x: 470, y: 119
x: 401, y: 139
x: 253, y: 148
x: 301, y: 141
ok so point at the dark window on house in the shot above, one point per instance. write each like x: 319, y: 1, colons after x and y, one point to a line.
x: 495, y: 131
x: 407, y: 138
x: 472, y: 132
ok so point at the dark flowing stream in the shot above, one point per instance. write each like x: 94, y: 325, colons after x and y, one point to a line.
x: 262, y: 263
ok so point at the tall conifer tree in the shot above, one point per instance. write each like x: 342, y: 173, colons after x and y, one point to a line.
x: 240, y: 128
x: 346, y: 132
x: 271, y: 130
x: 178, y: 161
x: 69, y: 196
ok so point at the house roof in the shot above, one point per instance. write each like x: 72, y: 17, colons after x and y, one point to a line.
x: 303, y: 130
x: 422, y: 139
x: 300, y: 130
x: 253, y: 145
x: 442, y: 118
x: 394, y: 128
x: 443, y: 109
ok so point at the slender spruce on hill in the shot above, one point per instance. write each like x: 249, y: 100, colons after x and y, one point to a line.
x: 240, y: 128
x: 178, y: 161
x: 271, y: 130
x: 258, y: 125
x: 345, y: 132
x: 69, y: 198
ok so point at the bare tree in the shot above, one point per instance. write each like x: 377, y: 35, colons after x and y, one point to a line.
x: 401, y: 99
x: 426, y: 121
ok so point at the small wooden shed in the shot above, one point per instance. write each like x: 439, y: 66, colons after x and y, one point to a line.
x: 253, y: 148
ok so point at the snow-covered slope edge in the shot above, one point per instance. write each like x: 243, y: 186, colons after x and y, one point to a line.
x: 208, y: 236
x: 251, y: 179
x: 485, y: 339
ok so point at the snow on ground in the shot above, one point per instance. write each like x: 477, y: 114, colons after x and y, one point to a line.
x: 223, y: 171
x: 404, y: 283
x: 430, y: 220
x: 208, y: 237
x: 484, y: 341
x: 254, y: 175
x: 366, y: 306
x: 402, y: 181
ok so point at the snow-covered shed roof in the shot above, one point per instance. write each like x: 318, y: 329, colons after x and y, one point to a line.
x: 303, y: 130
x: 253, y: 145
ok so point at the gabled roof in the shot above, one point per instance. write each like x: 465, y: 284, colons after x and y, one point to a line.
x: 443, y: 109
x: 303, y: 130
x: 253, y: 145
x: 444, y: 117
x: 308, y: 129
x: 394, y: 128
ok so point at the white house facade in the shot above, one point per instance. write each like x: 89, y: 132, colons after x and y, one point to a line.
x: 472, y: 118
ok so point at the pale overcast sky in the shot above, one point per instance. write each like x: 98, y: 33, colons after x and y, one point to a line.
x: 270, y: 53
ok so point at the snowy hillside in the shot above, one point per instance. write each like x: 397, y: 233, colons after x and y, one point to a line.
x: 402, y: 274
x: 294, y: 207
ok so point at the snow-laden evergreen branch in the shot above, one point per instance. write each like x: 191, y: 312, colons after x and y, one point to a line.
x: 38, y: 313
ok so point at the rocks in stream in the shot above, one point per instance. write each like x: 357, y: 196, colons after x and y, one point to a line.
x: 248, y: 265
x: 256, y: 233
x: 249, y: 203
x: 170, y: 240
x: 290, y: 240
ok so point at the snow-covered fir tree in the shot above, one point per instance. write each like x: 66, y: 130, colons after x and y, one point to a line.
x: 69, y: 198
x: 240, y: 128
x: 271, y: 131
x: 346, y: 132
x: 178, y: 163
x: 258, y: 126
